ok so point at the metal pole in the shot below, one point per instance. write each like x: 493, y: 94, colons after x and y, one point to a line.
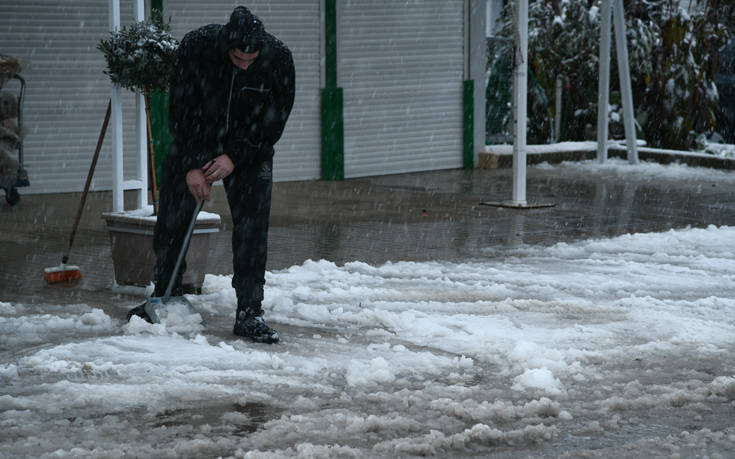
x: 557, y: 109
x: 520, y: 88
x: 621, y: 47
x: 118, y: 204
x: 603, y: 91
x: 183, y: 250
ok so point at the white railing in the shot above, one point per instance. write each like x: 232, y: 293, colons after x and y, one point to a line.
x: 140, y: 183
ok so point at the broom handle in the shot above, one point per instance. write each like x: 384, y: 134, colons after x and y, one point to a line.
x: 151, y: 154
x: 184, y: 248
x: 101, y: 139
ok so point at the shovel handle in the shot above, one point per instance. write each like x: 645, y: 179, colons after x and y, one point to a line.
x: 151, y: 154
x: 184, y: 248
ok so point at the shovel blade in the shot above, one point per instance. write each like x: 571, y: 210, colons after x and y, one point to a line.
x: 173, y: 310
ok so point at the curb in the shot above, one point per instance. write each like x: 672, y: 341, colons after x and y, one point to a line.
x: 501, y: 156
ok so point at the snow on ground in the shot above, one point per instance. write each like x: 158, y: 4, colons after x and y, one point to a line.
x: 707, y: 149
x: 723, y: 150
x: 603, y: 348
x: 621, y: 168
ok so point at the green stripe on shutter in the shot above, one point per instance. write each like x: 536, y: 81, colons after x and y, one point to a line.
x: 159, y: 117
x: 333, y: 131
x: 333, y: 134
x: 159, y: 127
x: 469, y: 124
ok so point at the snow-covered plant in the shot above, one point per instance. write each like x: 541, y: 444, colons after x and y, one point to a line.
x: 140, y: 56
x: 676, y: 91
x: 573, y: 54
x: 563, y: 40
x: 673, y: 59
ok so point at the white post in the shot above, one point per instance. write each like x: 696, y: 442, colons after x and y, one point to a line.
x: 141, y: 128
x: 621, y: 47
x: 520, y: 88
x: 603, y: 91
x: 118, y: 204
x: 557, y: 108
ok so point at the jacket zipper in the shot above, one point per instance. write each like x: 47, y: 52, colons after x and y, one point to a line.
x: 229, y: 102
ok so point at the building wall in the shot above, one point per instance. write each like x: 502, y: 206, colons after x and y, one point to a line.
x: 67, y: 91
x: 401, y: 65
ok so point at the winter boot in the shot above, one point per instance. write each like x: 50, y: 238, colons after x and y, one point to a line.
x: 254, y: 328
x: 140, y: 312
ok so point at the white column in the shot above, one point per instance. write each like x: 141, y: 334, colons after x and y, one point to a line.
x: 477, y: 67
x: 621, y: 46
x: 141, y: 140
x: 603, y: 91
x: 520, y: 88
x: 118, y: 204
x: 141, y: 129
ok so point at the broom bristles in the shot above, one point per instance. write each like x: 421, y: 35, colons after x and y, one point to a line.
x: 62, y: 273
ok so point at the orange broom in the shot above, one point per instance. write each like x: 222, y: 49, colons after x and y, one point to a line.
x: 65, y: 272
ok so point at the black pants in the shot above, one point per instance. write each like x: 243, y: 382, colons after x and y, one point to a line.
x: 248, y: 191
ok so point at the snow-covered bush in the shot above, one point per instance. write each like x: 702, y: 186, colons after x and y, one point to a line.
x: 673, y: 59
x: 676, y: 92
x: 563, y: 40
x: 139, y: 56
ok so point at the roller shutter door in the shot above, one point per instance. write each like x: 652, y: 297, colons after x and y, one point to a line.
x: 297, y: 24
x: 66, y: 92
x: 401, y: 67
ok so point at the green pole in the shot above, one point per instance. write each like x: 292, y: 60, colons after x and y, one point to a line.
x: 159, y: 127
x: 330, y: 34
x: 159, y: 116
x: 468, y: 156
x: 333, y: 151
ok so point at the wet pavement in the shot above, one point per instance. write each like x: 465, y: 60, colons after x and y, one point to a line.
x: 420, y: 216
x: 406, y: 217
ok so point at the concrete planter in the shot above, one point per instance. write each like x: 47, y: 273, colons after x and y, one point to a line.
x: 131, y: 237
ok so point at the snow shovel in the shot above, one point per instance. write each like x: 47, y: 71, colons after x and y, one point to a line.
x: 175, y: 308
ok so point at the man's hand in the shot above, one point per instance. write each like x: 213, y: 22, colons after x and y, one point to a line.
x: 218, y: 168
x: 198, y: 185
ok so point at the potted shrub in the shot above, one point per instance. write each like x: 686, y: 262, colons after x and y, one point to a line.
x: 139, y: 57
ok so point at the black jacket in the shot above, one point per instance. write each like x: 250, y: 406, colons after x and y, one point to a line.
x: 216, y: 108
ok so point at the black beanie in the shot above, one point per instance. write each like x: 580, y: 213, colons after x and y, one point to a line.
x: 244, y: 31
